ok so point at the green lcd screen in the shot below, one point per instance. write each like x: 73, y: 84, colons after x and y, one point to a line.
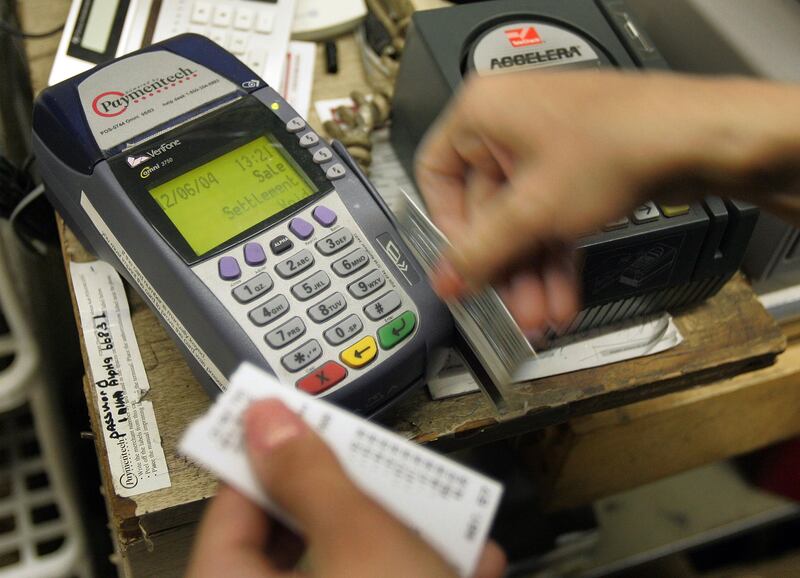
x: 213, y: 203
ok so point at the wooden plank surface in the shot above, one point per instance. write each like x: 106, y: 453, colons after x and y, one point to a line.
x: 728, y: 334
x: 642, y: 442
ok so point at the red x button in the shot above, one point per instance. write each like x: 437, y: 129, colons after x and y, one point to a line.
x: 322, y: 378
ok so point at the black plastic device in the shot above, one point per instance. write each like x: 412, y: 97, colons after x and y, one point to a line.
x: 661, y: 257
x: 250, y: 237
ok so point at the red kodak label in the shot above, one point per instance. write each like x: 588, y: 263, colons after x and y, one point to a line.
x: 523, y: 36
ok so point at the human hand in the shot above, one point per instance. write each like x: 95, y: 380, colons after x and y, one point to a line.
x: 521, y: 165
x: 347, y: 534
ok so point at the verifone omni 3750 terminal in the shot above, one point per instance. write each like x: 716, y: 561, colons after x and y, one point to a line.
x: 249, y: 236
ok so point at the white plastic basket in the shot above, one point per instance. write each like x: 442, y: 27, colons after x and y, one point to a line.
x: 39, y: 534
x: 40, y: 531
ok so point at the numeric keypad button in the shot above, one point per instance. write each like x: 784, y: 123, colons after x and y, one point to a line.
x: 671, y: 211
x: 254, y: 254
x: 335, y: 242
x: 645, y: 213
x: 335, y: 171
x: 255, y: 58
x: 201, y: 12
x: 323, y: 378
x: 382, y: 306
x: 269, y: 311
x: 244, y: 18
x: 327, y: 308
x: 311, y: 286
x: 284, y: 334
x: 301, y: 228
x: 252, y: 288
x: 218, y: 35
x: 360, y: 353
x: 228, y: 268
x: 620, y: 223
x: 264, y: 21
x: 296, y: 124
x: 223, y: 15
x: 309, y: 140
x: 239, y: 42
x: 303, y: 356
x: 344, y: 330
x: 396, y: 330
x: 295, y: 264
x: 367, y: 285
x: 350, y: 263
x: 322, y: 155
x: 324, y: 216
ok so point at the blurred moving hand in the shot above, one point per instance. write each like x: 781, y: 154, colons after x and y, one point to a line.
x: 347, y: 534
x: 521, y: 165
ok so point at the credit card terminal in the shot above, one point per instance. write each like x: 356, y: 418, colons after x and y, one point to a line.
x: 250, y: 237
x: 660, y: 257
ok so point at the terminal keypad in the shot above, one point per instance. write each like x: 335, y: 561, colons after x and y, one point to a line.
x: 322, y: 296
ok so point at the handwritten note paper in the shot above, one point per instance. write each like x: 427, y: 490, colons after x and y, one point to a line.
x: 130, y: 431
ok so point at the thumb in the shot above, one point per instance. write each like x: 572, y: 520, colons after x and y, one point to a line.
x: 302, y: 476
x: 297, y: 469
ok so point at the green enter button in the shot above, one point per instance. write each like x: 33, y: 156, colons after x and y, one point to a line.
x: 395, y: 331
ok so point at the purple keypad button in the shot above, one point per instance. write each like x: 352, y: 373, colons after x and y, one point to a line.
x: 324, y: 216
x: 229, y: 268
x: 302, y: 228
x: 254, y: 254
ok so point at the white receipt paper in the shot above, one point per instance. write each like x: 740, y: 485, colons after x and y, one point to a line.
x: 133, y: 444
x: 450, y: 505
x: 619, y: 342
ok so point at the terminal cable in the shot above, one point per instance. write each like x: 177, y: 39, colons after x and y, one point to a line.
x: 22, y: 203
x: 14, y: 31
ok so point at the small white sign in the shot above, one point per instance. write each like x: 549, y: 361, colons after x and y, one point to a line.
x: 298, y: 81
x: 133, y: 444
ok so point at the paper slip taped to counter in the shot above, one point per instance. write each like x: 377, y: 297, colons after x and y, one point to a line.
x: 130, y: 432
x: 450, y: 505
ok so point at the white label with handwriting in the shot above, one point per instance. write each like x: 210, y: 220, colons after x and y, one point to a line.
x: 133, y: 444
x: 450, y: 505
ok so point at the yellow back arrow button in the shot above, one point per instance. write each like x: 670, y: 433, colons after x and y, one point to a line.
x: 360, y: 353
